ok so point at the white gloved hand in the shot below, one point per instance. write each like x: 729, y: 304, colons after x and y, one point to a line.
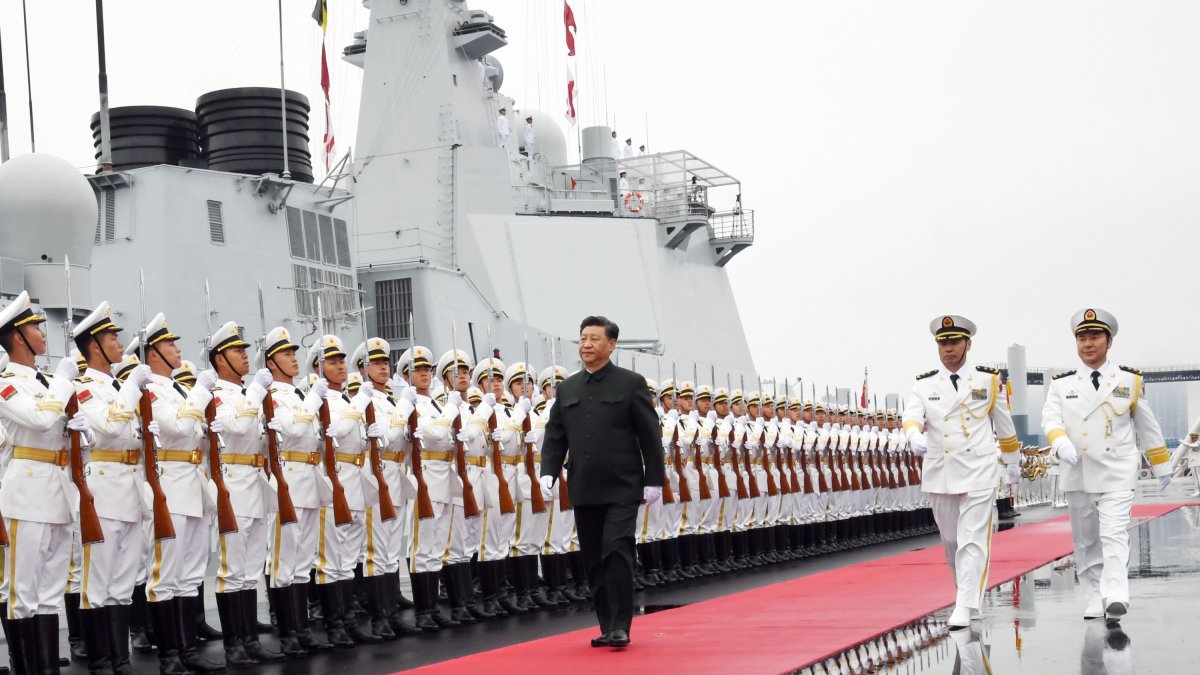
x: 673, y: 417
x: 489, y: 400
x: 409, y: 394
x: 658, y: 410
x: 547, y: 483
x: 666, y: 442
x: 67, y: 368
x: 320, y: 388
x: 711, y: 416
x: 1012, y: 474
x: 275, y: 425
x: 463, y: 436
x: 375, y: 430
x: 498, y: 436
x: 419, y: 434
x: 916, y: 441
x: 524, y: 406
x: 205, y: 381
x: 651, y: 494
x: 139, y: 377
x: 216, y: 427
x: 263, y: 378
x: 1065, y: 450
x: 729, y: 419
x: 78, y: 422
x: 454, y: 400
x: 694, y: 416
x: 152, y: 427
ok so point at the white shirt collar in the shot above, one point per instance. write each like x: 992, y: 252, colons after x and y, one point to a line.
x: 98, y: 375
x: 1105, y: 370
x: 21, y: 369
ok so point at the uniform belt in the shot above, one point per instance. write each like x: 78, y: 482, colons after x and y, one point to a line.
x: 189, y: 456
x: 476, y: 461
x: 436, y: 456
x: 257, y: 461
x: 55, y: 457
x: 302, y: 457
x: 116, y: 456
x: 512, y: 459
x: 356, y: 460
x: 397, y: 456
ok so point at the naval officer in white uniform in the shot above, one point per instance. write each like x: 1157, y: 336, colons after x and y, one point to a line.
x: 1096, y: 418
x: 958, y: 419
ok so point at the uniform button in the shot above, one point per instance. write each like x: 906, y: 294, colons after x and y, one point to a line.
x: 946, y: 418
x: 1084, y: 419
x: 1085, y: 449
x: 968, y: 449
x: 1085, y: 433
x: 1107, y: 449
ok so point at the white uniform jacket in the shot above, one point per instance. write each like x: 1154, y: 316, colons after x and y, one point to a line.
x: 36, y: 491
x: 180, y: 417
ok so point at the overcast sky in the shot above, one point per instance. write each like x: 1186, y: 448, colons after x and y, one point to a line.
x: 1010, y: 161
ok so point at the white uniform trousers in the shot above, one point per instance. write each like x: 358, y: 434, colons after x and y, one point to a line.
x: 381, y: 551
x: 772, y: 510
x: 111, y: 567
x: 338, y: 546
x: 178, y: 564
x: 431, y: 538
x: 965, y: 524
x: 726, y: 511
x: 671, y: 522
x: 294, y: 548
x: 708, y: 510
x: 75, y: 568
x: 650, y: 517
x: 562, y: 527
x: 467, y: 534
x: 35, y: 566
x: 1099, y: 529
x: 532, y: 528
x: 242, y: 555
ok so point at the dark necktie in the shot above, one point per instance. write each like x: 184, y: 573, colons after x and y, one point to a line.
x: 41, y: 378
x: 954, y: 380
x: 179, y: 388
x: 116, y: 385
x: 1096, y: 379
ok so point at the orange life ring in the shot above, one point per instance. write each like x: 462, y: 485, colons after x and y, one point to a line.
x: 636, y: 198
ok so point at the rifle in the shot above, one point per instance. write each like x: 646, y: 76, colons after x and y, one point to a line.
x: 705, y: 493
x: 772, y: 487
x: 163, y: 527
x: 89, y: 522
x: 387, y: 510
x: 722, y: 483
x: 424, y: 503
x: 564, y: 494
x: 504, y: 494
x: 537, y: 503
x: 226, y: 519
x: 341, y: 508
x: 685, y: 491
x: 287, y: 510
x: 470, y: 506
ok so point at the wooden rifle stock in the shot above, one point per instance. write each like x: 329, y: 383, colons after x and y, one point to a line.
x: 89, y: 522
x: 685, y: 491
x: 537, y: 503
x: 772, y: 486
x: 849, y: 464
x: 226, y: 519
x: 470, y: 506
x: 283, y: 494
x: 506, y: 499
x: 822, y: 482
x: 564, y: 495
x: 387, y: 510
x: 808, y: 485
x: 790, y: 477
x: 751, y: 481
x: 835, y: 471
x: 722, y: 483
x: 705, y: 493
x: 341, y: 508
x: 742, y: 491
x: 424, y: 503
x: 163, y: 527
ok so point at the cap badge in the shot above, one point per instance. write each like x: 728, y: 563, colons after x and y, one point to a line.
x: 1090, y: 315
x: 947, y: 322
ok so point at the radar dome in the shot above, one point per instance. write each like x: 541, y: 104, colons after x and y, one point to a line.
x: 494, y: 71
x: 47, y: 208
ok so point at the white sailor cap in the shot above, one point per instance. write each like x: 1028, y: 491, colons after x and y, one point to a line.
x: 226, y: 337
x: 1093, y: 319
x: 354, y: 382
x: 539, y: 404
x: 157, y: 331
x: 753, y: 398
x: 373, y: 349
x: 18, y: 313
x: 736, y: 396
x: 721, y: 395
x: 666, y: 388
x: 75, y: 354
x: 185, y: 373
x: 795, y: 403
x: 652, y: 386
x: 951, y: 326
x: 278, y: 340
x: 328, y: 347
x: 99, y: 321
x: 704, y: 391
x: 121, y: 369
x: 455, y: 358
x: 558, y: 372
x: 474, y: 395
x: 516, y: 372
x: 487, y: 369
x: 414, y: 358
x: 687, y: 389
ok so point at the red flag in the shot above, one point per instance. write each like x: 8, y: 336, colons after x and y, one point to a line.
x: 863, y: 401
x: 569, y: 25
x: 328, y: 140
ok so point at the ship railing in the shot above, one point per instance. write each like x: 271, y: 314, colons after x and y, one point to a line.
x: 535, y: 199
x: 733, y: 226
x: 681, y: 203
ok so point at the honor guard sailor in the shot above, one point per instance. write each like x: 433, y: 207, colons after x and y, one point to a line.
x: 1096, y: 418
x: 958, y: 418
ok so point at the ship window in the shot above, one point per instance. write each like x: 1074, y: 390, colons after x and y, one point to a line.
x: 328, y: 249
x: 216, y: 228
x: 393, y: 312
x: 343, y: 242
x: 300, y: 282
x: 311, y: 240
x: 295, y: 229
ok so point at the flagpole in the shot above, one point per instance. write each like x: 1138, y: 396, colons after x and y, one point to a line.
x: 283, y: 97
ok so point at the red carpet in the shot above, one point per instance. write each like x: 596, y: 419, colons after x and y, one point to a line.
x: 785, y: 626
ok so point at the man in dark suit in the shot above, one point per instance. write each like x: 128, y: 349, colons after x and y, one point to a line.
x: 603, y: 414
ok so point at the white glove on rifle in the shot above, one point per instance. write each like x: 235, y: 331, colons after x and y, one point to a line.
x: 651, y: 494
x: 375, y: 430
x: 275, y: 425
x: 711, y: 416
x: 419, y: 434
x: 463, y: 436
x: 320, y: 388
x: 694, y: 416
x: 547, y: 483
x: 80, y: 423
x: 498, y: 436
x: 152, y: 427
x: 205, y: 381
x: 673, y: 417
x: 216, y: 427
x: 666, y: 442
x: 263, y: 378
x: 454, y: 400
x: 67, y: 368
x: 1012, y: 474
x: 1065, y: 449
x: 139, y: 377
x: 524, y: 406
x: 489, y: 400
x: 409, y: 394
x: 916, y: 441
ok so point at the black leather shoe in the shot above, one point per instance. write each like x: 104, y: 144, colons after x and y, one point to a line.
x: 618, y: 639
x: 601, y: 641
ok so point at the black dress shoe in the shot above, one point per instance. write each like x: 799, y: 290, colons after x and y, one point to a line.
x: 601, y: 641
x: 618, y: 639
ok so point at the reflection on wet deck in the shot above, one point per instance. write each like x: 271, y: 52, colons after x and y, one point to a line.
x: 1036, y: 625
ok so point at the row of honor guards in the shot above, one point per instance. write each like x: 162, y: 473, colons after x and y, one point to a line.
x: 117, y: 469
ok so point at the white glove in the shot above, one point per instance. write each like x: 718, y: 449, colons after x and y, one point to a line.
x: 673, y: 417
x: 1065, y: 449
x: 78, y: 422
x: 1164, y: 481
x: 206, y: 380
x: 463, y: 436
x: 489, y: 400
x: 138, y: 377
x: 263, y: 378
x: 666, y: 442
x: 1012, y: 474
x: 694, y: 416
x: 330, y: 432
x: 524, y: 406
x: 275, y: 425
x: 216, y: 427
x: 67, y: 368
x: 498, y: 436
x: 774, y: 423
x: 916, y: 441
x: 454, y: 400
x: 651, y: 494
x: 409, y: 394
x: 375, y: 430
x: 711, y: 416
x: 419, y: 434
x: 547, y: 483
x: 658, y: 410
x: 320, y: 388
x: 152, y: 427
x: 729, y: 419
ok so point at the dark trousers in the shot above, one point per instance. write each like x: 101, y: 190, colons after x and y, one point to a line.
x: 606, y: 540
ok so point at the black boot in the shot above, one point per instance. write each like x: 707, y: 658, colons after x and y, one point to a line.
x: 333, y: 613
x: 457, y: 594
x: 425, y: 597
x: 350, y: 615
x: 45, y: 630
x: 401, y: 601
x: 93, y: 627
x: 554, y: 572
x: 118, y: 617
x: 311, y: 643
x: 478, y: 612
x: 164, y: 616
x: 507, y: 598
x: 140, y: 636
x: 579, y: 573
x: 314, y: 598
x: 377, y: 599
x: 570, y: 586
x: 530, y: 562
x: 360, y: 590
x: 231, y: 630
x: 285, y: 617
x: 189, y: 654
x: 441, y: 579
x: 391, y: 605
x: 490, y: 588
x: 74, y: 629
x: 248, y: 602
x: 24, y: 649
x: 204, y: 632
